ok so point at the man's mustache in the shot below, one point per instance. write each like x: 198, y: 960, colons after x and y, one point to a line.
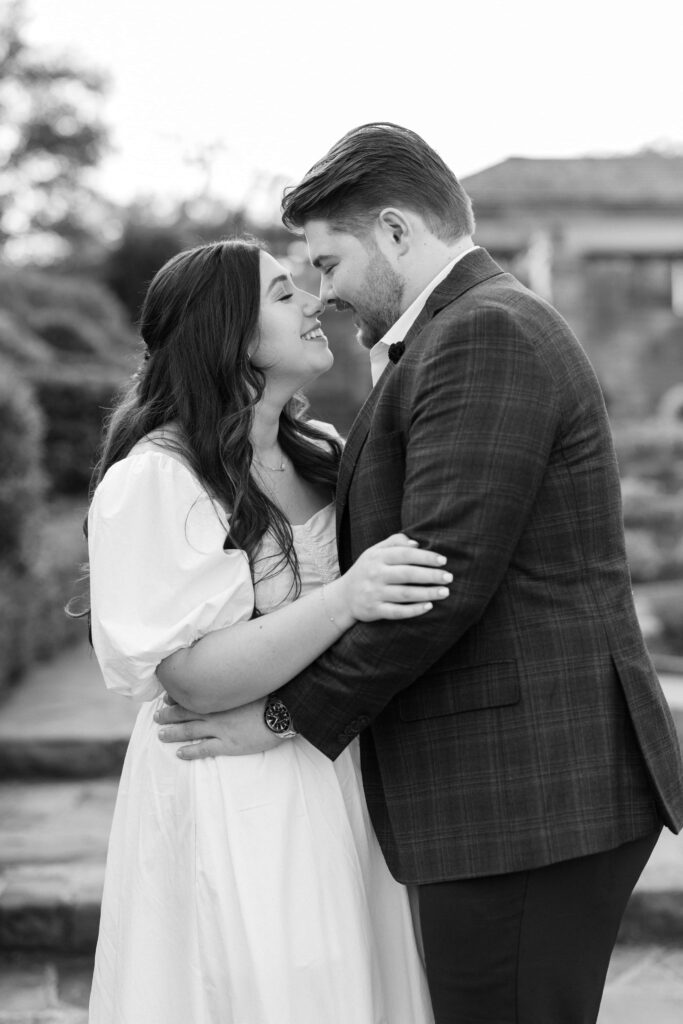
x: 341, y: 306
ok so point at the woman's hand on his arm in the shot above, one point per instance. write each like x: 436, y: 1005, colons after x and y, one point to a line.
x: 233, y: 666
x: 394, y: 579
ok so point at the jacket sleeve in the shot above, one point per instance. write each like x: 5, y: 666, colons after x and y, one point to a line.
x: 484, y: 414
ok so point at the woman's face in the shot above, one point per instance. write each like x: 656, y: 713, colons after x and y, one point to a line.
x: 291, y: 349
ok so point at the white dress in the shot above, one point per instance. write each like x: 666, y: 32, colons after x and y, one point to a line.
x: 247, y: 890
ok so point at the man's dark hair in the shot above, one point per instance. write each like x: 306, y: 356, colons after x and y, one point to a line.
x: 374, y: 166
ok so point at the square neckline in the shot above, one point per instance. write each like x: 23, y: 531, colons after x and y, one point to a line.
x: 307, y: 523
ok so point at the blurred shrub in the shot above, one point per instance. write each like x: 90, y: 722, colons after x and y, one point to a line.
x: 661, y: 605
x: 671, y: 404
x: 75, y: 401
x: 31, y: 295
x: 70, y: 334
x: 19, y: 345
x: 646, y: 561
x: 143, y: 249
x: 71, y: 340
x: 21, y: 491
x: 646, y: 505
x: 670, y: 615
x: 651, y: 463
x: 61, y: 553
x: 652, y: 450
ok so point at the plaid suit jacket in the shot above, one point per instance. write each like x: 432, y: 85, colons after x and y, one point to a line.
x: 520, y: 722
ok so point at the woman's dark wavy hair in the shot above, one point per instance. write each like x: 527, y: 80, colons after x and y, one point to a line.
x: 200, y: 314
x: 377, y: 165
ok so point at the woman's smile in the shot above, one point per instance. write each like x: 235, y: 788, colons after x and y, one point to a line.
x: 314, y: 334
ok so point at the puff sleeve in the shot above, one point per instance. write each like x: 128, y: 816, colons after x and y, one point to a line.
x: 159, y: 577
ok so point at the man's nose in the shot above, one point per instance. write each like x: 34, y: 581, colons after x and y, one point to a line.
x: 327, y: 296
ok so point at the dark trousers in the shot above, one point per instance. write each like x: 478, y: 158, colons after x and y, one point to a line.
x: 531, y: 947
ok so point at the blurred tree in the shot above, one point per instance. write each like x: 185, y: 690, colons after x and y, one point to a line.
x: 50, y: 134
x: 143, y: 248
x: 149, y: 238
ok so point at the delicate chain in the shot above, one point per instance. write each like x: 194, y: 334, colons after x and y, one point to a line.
x: 273, y: 469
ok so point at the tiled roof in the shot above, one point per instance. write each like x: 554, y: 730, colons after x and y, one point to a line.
x: 642, y: 179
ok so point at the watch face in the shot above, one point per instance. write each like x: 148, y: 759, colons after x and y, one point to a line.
x: 277, y: 717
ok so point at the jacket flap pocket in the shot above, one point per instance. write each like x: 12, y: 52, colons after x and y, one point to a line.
x: 451, y: 691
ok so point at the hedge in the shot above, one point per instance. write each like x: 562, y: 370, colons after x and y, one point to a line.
x: 75, y: 401
x: 32, y: 296
x: 650, y: 457
x: 21, y: 491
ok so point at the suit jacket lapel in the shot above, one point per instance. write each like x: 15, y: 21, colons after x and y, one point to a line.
x: 472, y: 269
x: 361, y: 425
x: 354, y: 444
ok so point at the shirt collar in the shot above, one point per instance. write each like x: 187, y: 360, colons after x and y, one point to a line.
x: 379, y: 353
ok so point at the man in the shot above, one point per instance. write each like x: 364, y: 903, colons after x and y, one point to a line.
x: 518, y: 756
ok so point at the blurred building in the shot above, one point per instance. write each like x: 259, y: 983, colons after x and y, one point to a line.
x: 602, y: 239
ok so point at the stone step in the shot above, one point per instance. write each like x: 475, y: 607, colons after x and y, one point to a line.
x: 37, y: 991
x: 644, y: 983
x: 62, y: 722
x: 53, y: 839
x: 53, y: 844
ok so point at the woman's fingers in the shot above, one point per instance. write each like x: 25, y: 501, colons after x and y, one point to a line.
x: 408, y: 595
x: 403, y: 611
x: 401, y: 554
x: 397, y: 539
x: 417, y: 575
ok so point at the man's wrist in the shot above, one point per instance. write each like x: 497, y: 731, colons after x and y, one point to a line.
x: 277, y: 718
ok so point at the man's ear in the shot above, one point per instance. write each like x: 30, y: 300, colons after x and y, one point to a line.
x: 396, y: 228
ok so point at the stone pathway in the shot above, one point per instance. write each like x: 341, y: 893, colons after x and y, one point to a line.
x: 62, y: 738
x: 644, y: 986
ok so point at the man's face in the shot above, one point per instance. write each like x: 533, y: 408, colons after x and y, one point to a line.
x: 356, y: 275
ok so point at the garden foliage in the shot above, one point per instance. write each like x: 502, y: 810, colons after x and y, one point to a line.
x: 21, y: 491
x: 71, y: 341
x: 65, y: 350
x: 651, y: 465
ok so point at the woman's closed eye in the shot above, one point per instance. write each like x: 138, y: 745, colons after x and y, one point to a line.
x: 286, y: 296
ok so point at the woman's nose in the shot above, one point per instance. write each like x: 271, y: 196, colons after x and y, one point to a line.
x: 313, y: 305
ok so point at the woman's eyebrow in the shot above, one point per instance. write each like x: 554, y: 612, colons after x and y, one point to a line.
x: 277, y: 280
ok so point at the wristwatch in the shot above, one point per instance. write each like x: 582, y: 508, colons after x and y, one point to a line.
x: 278, y: 719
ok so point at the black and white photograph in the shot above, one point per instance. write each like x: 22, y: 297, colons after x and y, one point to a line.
x: 341, y: 513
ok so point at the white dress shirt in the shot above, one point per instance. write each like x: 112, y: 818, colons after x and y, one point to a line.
x: 379, y: 353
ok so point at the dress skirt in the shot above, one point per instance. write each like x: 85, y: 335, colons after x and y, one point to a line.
x: 250, y: 890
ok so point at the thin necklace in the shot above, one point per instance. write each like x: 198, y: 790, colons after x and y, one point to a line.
x: 273, y: 469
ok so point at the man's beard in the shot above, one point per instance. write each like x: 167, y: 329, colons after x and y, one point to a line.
x: 379, y: 306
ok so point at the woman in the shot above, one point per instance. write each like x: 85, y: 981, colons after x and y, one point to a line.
x: 238, y: 890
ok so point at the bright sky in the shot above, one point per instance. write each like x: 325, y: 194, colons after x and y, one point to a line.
x: 271, y: 85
